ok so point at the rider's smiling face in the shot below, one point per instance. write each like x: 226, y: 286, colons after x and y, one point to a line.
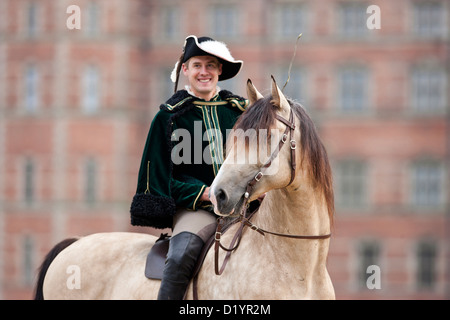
x: 203, y: 74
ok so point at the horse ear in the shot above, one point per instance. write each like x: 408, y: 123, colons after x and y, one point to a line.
x: 252, y: 93
x: 278, y: 98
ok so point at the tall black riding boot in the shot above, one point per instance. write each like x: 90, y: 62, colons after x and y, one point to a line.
x: 184, y: 249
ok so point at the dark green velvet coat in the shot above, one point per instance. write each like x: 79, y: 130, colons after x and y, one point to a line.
x: 184, y: 150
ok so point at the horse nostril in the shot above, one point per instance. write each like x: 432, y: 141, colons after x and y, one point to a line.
x: 221, y: 195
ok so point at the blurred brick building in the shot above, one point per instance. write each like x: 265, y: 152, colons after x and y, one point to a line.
x: 76, y: 105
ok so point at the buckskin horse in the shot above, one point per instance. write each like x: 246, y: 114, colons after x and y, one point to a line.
x: 280, y: 253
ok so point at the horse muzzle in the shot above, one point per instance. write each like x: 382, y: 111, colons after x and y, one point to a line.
x: 223, y: 205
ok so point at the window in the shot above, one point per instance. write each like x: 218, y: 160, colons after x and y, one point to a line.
x: 28, y: 260
x: 225, y: 21
x: 353, y: 20
x: 426, y: 265
x: 290, y: 20
x: 427, y: 184
x: 31, y: 89
x: 351, y: 184
x: 92, y: 22
x: 90, y: 188
x: 429, y: 19
x: 32, y: 16
x: 91, y: 87
x: 29, y: 181
x: 368, y: 254
x: 353, y: 89
x: 170, y: 23
x: 428, y: 89
x: 3, y: 17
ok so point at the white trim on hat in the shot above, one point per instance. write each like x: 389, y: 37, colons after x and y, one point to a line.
x: 216, y: 48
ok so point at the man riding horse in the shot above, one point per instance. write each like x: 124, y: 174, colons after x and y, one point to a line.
x: 175, y: 173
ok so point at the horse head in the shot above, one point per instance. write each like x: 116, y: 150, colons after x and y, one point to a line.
x: 255, y: 153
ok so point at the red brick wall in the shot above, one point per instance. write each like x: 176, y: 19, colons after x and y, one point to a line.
x: 130, y: 54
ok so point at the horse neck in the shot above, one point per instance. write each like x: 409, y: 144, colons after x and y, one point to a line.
x: 295, y: 210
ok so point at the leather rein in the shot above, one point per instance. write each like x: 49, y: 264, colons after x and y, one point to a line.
x: 244, y: 219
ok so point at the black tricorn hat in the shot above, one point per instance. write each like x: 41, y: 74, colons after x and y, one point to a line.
x: 205, y: 46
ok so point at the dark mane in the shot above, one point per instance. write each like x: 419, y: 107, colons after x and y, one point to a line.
x: 261, y: 115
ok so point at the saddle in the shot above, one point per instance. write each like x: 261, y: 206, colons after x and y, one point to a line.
x: 156, y: 258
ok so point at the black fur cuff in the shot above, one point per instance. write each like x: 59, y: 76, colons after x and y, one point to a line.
x: 152, y: 211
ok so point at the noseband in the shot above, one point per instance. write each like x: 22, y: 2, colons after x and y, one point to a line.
x: 243, y: 218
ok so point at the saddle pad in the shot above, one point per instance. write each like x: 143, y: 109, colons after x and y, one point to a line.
x: 156, y: 258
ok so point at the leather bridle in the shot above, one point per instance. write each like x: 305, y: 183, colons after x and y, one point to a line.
x: 290, y: 128
x: 245, y: 220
